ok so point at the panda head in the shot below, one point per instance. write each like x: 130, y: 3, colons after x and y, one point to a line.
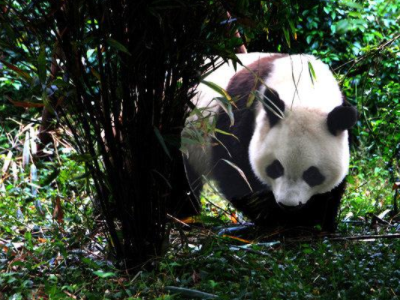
x: 300, y: 153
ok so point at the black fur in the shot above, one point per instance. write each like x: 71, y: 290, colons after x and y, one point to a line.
x: 262, y: 209
x: 274, y: 106
x: 229, y: 180
x: 341, y: 118
x: 275, y: 170
x: 313, y: 176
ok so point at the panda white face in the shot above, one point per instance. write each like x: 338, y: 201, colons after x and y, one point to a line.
x: 302, y: 149
x: 298, y: 157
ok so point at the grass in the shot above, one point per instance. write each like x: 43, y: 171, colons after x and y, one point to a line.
x: 320, y: 270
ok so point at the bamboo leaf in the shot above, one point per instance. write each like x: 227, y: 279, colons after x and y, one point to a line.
x: 58, y: 212
x: 312, y: 72
x: 24, y: 103
x: 117, y: 45
x: 250, y: 100
x: 33, y: 136
x: 42, y: 65
x: 218, y: 89
x: 162, y: 142
x: 7, y: 162
x: 47, y: 103
x: 17, y: 70
x: 95, y: 73
x: 239, y: 171
x: 189, y: 293
x: 352, y: 4
x: 287, y: 36
x: 293, y: 29
x: 103, y: 274
x: 236, y: 239
x: 227, y: 107
x: 14, y: 171
x: 26, y: 151
x: 226, y: 133
x: 34, y: 179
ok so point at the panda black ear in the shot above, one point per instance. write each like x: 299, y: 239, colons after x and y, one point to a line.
x: 274, y: 106
x: 341, y: 118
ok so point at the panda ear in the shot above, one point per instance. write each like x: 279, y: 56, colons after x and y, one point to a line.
x: 274, y: 106
x: 341, y: 118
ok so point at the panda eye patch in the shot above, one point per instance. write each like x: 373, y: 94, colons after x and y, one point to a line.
x: 313, y: 176
x: 275, y: 170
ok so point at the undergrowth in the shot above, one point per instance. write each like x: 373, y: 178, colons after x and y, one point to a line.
x: 53, y: 247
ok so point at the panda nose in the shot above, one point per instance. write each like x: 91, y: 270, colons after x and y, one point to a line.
x: 290, y: 208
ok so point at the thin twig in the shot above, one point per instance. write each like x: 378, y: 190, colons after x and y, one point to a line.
x: 189, y: 292
x: 177, y: 220
x: 348, y: 238
x: 371, y: 53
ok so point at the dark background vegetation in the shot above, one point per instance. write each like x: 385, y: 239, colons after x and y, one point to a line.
x: 93, y: 97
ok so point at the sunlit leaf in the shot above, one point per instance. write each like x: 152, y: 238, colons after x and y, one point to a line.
x: 237, y: 239
x: 250, y: 99
x: 226, y: 133
x: 218, y: 89
x: 343, y: 26
x: 312, y: 72
x: 351, y: 4
x: 103, y: 274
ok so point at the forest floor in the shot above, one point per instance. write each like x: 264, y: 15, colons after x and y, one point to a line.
x: 209, y: 259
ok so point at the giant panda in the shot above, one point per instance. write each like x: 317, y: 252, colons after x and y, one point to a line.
x: 288, y: 135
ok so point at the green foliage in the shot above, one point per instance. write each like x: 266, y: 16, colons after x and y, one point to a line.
x: 319, y: 270
x: 364, y: 50
x: 363, y: 47
x: 44, y: 220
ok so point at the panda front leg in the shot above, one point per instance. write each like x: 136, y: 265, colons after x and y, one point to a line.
x: 333, y: 201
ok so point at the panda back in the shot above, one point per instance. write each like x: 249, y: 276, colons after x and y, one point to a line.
x: 235, y: 146
x: 304, y: 81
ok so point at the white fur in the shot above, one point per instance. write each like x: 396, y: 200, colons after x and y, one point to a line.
x: 292, y: 79
x: 300, y: 140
